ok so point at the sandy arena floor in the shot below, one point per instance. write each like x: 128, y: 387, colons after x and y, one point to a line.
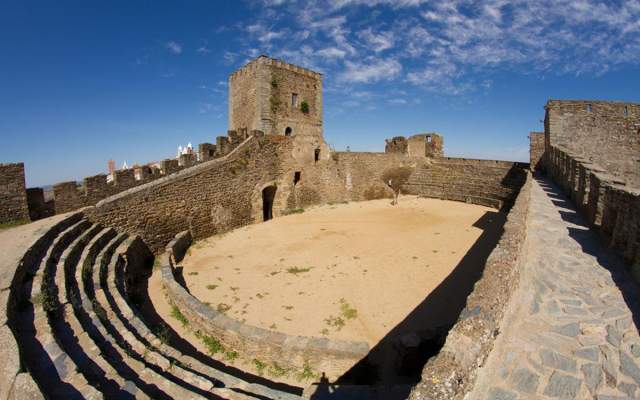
x: 348, y: 271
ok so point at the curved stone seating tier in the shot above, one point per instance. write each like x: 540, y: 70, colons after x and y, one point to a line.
x: 78, y: 338
x: 51, y: 367
x: 288, y: 351
x: 197, y: 372
x: 472, y: 181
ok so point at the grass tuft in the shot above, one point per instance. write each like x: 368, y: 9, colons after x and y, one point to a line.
x: 177, y: 314
x: 296, y: 270
x: 260, y: 366
x: 13, y: 224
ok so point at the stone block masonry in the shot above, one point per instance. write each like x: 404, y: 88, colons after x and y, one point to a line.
x: 603, y: 133
x: 536, y: 146
x: 208, y: 198
x: 268, y: 95
x: 13, y: 197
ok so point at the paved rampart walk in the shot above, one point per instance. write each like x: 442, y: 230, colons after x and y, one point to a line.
x: 571, y: 331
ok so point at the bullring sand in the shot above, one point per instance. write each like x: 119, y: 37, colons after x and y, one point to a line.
x: 346, y: 271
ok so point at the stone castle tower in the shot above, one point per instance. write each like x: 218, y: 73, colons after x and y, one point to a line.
x: 277, y: 98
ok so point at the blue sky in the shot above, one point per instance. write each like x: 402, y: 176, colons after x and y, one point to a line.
x: 82, y: 82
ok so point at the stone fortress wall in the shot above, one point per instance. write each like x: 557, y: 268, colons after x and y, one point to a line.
x: 13, y: 198
x: 592, y: 150
x: 226, y: 193
x: 69, y: 196
x: 606, y: 134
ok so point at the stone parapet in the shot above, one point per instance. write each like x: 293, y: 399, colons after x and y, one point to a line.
x: 271, y: 347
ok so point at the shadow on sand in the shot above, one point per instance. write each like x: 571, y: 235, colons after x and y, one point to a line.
x: 395, y: 364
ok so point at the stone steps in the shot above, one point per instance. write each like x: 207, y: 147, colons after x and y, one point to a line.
x: 67, y: 330
x: 147, y: 376
x: 80, y: 338
x: 56, y: 372
x: 126, y: 366
x: 124, y: 388
x: 108, y: 296
x: 190, y: 369
x: 139, y: 328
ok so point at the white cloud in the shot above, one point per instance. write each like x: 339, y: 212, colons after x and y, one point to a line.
x: 332, y: 52
x: 371, y: 70
x: 203, y: 50
x: 449, y: 46
x: 377, y: 41
x: 174, y: 47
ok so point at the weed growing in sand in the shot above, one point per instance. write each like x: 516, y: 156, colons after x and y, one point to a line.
x: 231, y: 355
x: 347, y: 311
x: 335, y: 322
x: 307, y: 373
x: 177, y: 314
x: 260, y: 366
x: 293, y: 211
x: 212, y: 344
x: 288, y: 307
x: 211, y: 287
x: 223, y: 308
x: 296, y: 270
x: 324, y: 331
x: 273, y: 326
x: 277, y: 371
x: 193, y: 273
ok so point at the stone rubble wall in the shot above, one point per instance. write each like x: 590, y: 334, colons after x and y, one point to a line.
x: 608, y: 204
x: 208, y: 198
x: 13, y: 198
x: 603, y: 133
x: 270, y: 347
x: 69, y: 196
x: 536, y: 150
x: 451, y: 374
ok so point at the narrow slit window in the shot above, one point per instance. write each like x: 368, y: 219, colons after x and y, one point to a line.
x: 296, y: 177
x: 316, y: 155
x: 626, y: 111
x: 294, y: 100
x: 589, y: 108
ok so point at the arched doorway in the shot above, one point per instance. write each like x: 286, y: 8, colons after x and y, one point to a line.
x: 268, y: 195
x: 288, y: 131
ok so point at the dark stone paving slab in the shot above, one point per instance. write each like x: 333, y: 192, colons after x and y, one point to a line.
x: 572, y: 328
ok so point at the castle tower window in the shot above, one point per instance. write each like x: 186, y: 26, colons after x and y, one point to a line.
x: 428, y: 139
x: 626, y: 111
x: 294, y: 100
x: 288, y: 131
x: 589, y: 108
x: 296, y: 177
x: 316, y: 155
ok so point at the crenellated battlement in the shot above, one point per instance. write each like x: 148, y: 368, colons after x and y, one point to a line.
x: 265, y: 60
x: 69, y: 196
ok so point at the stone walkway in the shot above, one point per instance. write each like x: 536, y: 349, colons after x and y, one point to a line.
x: 571, y: 331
